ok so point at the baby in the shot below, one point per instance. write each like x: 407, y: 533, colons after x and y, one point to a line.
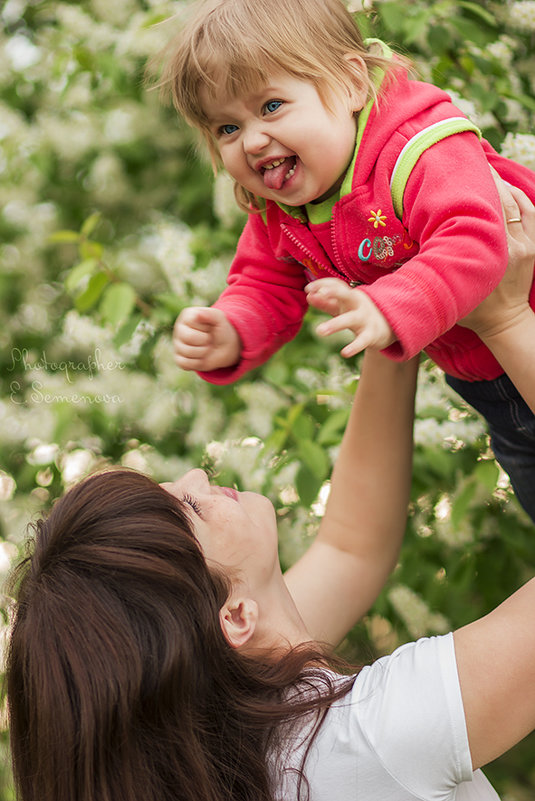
x: 370, y: 197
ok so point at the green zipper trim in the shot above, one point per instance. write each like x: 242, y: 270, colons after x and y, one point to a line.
x: 378, y: 76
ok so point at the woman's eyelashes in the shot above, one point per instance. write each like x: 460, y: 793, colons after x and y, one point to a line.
x: 191, y: 501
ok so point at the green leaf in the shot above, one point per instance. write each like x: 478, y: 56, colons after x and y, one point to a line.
x: 90, y: 224
x: 331, y: 430
x: 525, y: 100
x: 302, y: 428
x: 276, y: 440
x: 417, y: 26
x: 461, y: 503
x: 117, y: 303
x: 393, y: 16
x: 315, y: 458
x: 84, y: 57
x: 79, y: 272
x: 307, y: 486
x: 91, y: 250
x: 472, y: 31
x: 487, y: 473
x: 171, y: 302
x: 90, y: 296
x: 126, y: 331
x: 63, y: 236
x: 479, y: 11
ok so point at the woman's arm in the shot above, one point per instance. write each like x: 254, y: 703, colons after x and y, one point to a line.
x: 504, y: 321
x: 338, y: 578
x: 496, y: 664
x: 496, y: 655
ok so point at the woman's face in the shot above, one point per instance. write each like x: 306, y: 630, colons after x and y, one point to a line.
x: 236, y: 530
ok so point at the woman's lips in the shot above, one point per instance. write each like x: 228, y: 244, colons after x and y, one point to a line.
x: 232, y: 493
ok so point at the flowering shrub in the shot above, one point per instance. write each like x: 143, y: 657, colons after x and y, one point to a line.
x: 110, y: 225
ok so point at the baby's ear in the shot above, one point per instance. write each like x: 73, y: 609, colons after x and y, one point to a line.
x: 238, y: 619
x: 360, y: 81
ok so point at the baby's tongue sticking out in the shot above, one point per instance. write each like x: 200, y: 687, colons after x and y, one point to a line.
x: 274, y: 178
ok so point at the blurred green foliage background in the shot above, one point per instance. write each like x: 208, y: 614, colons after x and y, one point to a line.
x: 110, y: 224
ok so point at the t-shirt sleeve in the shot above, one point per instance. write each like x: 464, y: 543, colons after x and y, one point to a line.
x: 408, y: 707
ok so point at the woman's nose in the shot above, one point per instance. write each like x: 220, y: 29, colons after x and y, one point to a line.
x: 194, y: 480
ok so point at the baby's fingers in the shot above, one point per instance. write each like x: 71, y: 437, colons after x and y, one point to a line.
x: 327, y: 294
x: 339, y: 323
x: 185, y: 335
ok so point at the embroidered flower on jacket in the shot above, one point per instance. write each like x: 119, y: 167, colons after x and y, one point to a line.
x: 377, y: 218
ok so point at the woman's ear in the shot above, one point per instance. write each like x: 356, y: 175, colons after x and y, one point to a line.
x: 360, y: 81
x: 238, y: 619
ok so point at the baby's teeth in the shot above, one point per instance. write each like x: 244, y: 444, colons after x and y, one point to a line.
x: 273, y: 164
x: 289, y: 173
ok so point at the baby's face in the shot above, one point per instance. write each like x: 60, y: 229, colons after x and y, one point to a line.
x: 281, y: 142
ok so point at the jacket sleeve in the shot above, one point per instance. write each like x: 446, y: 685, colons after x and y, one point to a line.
x: 452, y: 209
x: 264, y: 300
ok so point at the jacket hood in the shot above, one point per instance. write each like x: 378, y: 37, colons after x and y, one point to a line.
x: 399, y: 105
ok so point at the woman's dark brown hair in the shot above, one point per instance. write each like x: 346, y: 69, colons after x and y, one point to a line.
x: 120, y: 682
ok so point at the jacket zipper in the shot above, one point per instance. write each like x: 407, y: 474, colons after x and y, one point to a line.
x: 328, y: 268
x: 352, y: 283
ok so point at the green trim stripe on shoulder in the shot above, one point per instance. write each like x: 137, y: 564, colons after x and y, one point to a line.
x: 414, y: 148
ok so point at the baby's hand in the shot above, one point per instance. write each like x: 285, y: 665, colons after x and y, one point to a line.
x: 203, y: 339
x: 353, y: 309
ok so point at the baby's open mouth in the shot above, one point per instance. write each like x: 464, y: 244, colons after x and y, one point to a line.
x: 278, y: 171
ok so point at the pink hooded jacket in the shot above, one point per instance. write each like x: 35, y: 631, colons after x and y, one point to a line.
x: 426, y: 257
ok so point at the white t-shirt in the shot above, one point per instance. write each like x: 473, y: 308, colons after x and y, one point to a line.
x: 398, y: 735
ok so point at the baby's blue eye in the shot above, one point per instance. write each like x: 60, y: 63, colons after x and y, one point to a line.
x: 226, y: 130
x: 273, y: 105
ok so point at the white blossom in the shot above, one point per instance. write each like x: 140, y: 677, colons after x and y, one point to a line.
x: 207, y: 422
x: 131, y: 349
x: 76, y: 464
x: 72, y: 135
x: 415, y: 612
x: 13, y: 11
x: 520, y: 147
x: 207, y: 284
x: 8, y: 552
x: 225, y: 206
x: 502, y: 50
x: 159, y: 413
x: 431, y: 432
x: 107, y: 180
x: 262, y: 403
x: 8, y: 485
x: 243, y: 459
x: 522, y: 15
x: 468, y: 107
x: 171, y: 244
x: 43, y: 453
x: 22, y: 52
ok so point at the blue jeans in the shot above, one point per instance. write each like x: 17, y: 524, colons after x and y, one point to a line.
x: 512, y: 430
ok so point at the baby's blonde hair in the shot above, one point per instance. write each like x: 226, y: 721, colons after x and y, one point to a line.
x: 231, y: 46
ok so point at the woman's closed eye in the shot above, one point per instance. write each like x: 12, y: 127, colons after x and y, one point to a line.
x: 191, y: 501
x: 272, y: 105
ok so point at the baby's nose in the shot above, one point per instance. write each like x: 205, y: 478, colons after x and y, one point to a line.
x: 255, y: 140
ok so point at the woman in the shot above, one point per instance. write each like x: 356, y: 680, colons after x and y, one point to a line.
x: 158, y: 652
